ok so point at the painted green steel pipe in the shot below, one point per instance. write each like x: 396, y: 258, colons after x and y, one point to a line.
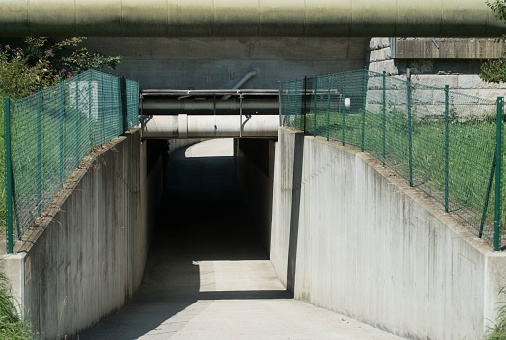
x: 305, y: 103
x: 447, y: 147
x: 328, y: 106
x: 183, y: 18
x: 101, y: 110
x: 8, y: 174
x: 315, y: 103
x: 39, y: 150
x: 498, y: 175
x: 362, y: 144
x: 78, y: 128
x: 293, y: 102
x: 62, y: 117
x: 384, y: 116
x: 410, y: 134
x: 90, y: 99
x: 343, y: 103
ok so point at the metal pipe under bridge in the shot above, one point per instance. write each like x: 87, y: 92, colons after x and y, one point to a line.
x: 203, y: 18
x: 168, y: 114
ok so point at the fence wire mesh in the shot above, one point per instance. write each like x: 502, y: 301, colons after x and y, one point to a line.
x: 54, y: 129
x: 443, y: 142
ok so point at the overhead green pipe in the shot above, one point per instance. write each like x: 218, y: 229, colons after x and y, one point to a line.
x: 295, y: 18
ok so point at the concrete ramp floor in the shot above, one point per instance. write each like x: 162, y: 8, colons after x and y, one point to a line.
x: 208, y: 276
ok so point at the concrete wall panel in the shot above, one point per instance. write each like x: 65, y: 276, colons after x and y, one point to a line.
x: 218, y: 63
x: 255, y: 169
x: 370, y: 247
x: 86, y: 257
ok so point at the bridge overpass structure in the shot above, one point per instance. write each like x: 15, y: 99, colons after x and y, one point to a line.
x: 338, y: 230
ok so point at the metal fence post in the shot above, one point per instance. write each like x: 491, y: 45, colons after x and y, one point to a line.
x: 315, y: 99
x: 344, y: 107
x: 328, y: 107
x: 77, y: 120
x: 101, y: 112
x: 447, y: 146
x: 90, y: 98
x: 123, y: 104
x: 39, y: 150
x: 295, y: 101
x: 384, y: 117
x: 110, y: 122
x: 410, y: 146
x: 8, y: 174
x: 305, y: 103
x: 487, y: 196
x: 363, y: 110
x: 62, y: 117
x: 498, y: 175
x: 280, y: 109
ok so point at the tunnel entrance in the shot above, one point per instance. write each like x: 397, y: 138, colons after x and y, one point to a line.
x: 205, y: 248
x: 206, y: 240
x: 208, y: 274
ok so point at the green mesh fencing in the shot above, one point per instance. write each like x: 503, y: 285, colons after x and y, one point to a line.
x: 53, y: 130
x: 442, y: 142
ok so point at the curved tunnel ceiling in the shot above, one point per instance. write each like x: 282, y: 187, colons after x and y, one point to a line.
x: 228, y: 18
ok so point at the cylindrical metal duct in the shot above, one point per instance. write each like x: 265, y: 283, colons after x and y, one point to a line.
x: 296, y: 18
x: 160, y: 127
x: 241, y: 82
x: 184, y: 126
x: 192, y: 104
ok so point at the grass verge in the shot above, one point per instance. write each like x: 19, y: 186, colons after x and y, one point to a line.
x: 498, y: 331
x: 471, y: 152
x: 12, y: 325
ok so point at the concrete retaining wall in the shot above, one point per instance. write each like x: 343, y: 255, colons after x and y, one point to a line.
x: 462, y: 75
x: 350, y: 236
x: 255, y: 170
x: 86, y: 258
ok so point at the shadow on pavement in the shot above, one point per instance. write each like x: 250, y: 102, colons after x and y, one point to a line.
x: 202, y: 218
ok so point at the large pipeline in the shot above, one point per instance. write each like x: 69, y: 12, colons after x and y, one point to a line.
x: 295, y: 18
x: 187, y: 126
x: 192, y: 104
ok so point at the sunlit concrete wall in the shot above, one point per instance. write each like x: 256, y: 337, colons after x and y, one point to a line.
x: 349, y: 235
x: 86, y: 259
x: 219, y: 63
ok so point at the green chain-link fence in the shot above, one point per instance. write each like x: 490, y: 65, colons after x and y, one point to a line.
x: 49, y: 133
x: 442, y: 141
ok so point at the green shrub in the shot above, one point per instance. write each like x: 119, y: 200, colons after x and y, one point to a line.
x: 494, y: 71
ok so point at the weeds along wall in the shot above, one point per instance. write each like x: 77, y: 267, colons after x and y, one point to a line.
x: 49, y: 133
x: 445, y: 143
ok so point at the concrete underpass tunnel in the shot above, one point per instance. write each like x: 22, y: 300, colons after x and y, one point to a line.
x: 210, y: 239
x: 208, y: 244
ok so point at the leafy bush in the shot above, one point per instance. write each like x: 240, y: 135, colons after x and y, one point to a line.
x: 494, y: 71
x: 32, y: 62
